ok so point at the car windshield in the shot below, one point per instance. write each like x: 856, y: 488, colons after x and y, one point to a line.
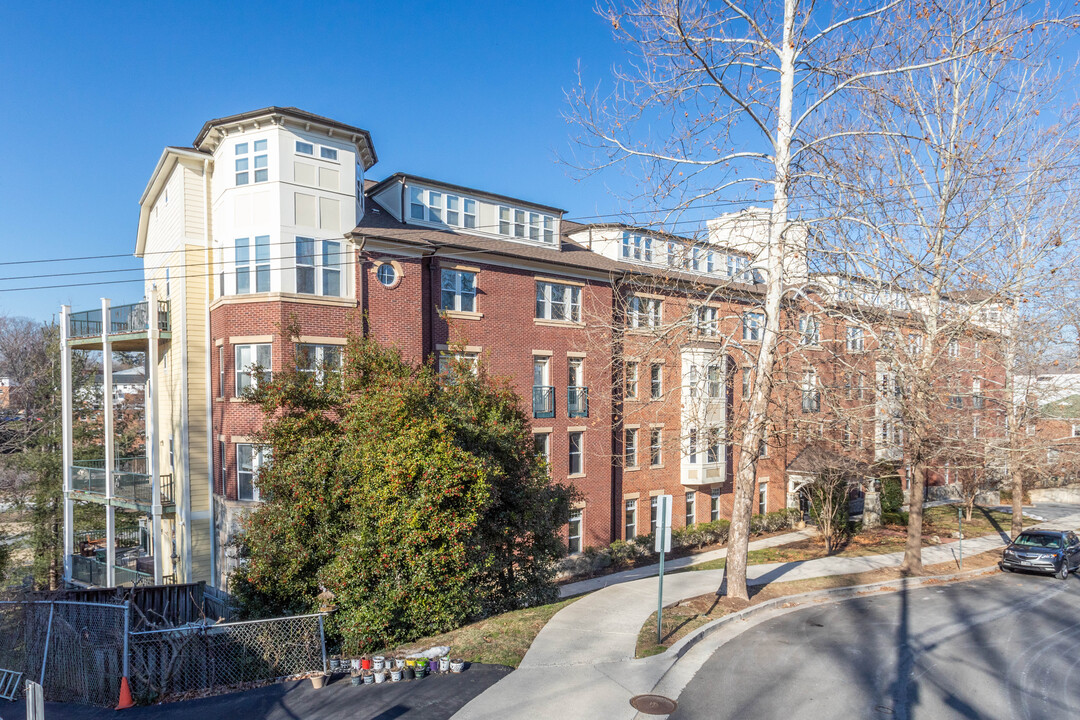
x: 1039, y: 541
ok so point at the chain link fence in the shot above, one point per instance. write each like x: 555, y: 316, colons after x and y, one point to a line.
x: 74, y: 649
x: 193, y: 659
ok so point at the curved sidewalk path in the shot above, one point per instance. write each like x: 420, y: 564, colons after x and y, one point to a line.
x: 581, y: 664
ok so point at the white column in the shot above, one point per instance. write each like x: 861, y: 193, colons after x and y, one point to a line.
x: 110, y: 461
x: 156, y: 546
x: 66, y: 422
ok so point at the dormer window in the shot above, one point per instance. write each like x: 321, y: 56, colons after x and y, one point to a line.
x: 305, y: 148
x: 637, y: 247
x: 442, y: 208
x: 513, y: 223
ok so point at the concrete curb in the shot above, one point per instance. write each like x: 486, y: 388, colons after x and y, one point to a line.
x: 681, y: 647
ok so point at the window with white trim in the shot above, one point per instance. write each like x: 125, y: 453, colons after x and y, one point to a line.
x: 656, y: 457
x: 316, y: 360
x: 643, y: 312
x: 631, y: 380
x: 707, y: 320
x: 449, y: 359
x: 458, y: 290
x: 555, y: 301
x: 637, y: 247
x: 576, y: 452
x: 714, y: 381
x: 305, y: 148
x: 630, y: 519
x: 714, y: 504
x: 221, y: 370
x: 630, y: 447
x: 809, y: 332
x: 517, y: 223
x: 753, y: 326
x: 253, y: 366
x: 854, y: 339
x: 542, y: 445
x: 713, y: 446
x: 574, y: 532
x: 811, y: 394
x: 656, y: 381
x: 245, y: 265
x: 318, y: 267
x: 252, y: 165
x: 691, y: 446
x: 249, y: 460
x: 954, y: 348
x: 691, y: 497
x: 763, y: 497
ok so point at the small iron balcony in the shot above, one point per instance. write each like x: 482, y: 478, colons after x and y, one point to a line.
x: 543, y: 401
x: 132, y: 485
x: 577, y: 401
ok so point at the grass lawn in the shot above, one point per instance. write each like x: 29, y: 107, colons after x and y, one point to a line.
x: 498, y: 640
x: 688, y: 615
x: 938, y: 522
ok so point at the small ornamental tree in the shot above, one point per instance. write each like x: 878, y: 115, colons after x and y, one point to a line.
x: 829, y: 506
x: 416, y: 498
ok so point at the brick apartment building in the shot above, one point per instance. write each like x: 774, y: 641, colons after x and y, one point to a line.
x: 265, y: 244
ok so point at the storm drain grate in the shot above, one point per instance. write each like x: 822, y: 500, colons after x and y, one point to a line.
x: 653, y: 704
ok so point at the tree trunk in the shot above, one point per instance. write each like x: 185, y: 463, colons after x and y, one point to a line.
x: 912, y: 564
x: 1017, y: 501
x: 757, y: 420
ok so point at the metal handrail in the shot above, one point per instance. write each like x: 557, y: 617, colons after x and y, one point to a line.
x: 543, y: 401
x: 123, y: 319
x: 577, y: 401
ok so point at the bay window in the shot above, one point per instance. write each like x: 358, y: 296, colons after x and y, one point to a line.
x: 253, y: 366
x: 318, y: 267
x: 249, y: 460
x: 246, y: 265
x: 316, y: 360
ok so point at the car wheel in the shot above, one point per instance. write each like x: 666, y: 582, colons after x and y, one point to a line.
x: 1063, y: 571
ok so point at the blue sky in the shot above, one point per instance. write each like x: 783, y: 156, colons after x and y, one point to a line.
x: 467, y: 92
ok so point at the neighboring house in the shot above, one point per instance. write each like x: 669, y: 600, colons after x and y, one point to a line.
x: 276, y: 203
x: 127, y: 386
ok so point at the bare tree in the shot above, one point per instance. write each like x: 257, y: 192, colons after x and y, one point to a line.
x: 925, y: 218
x: 728, y: 100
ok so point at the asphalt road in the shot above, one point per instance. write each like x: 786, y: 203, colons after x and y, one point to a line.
x: 1007, y: 646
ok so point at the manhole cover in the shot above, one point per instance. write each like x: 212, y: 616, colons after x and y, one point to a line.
x: 653, y: 704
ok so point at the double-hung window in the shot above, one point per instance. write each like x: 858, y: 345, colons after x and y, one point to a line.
x: 458, y: 290
x: 555, y: 301
x: 954, y: 348
x: 855, y: 339
x: 574, y: 532
x: 707, y: 320
x: 245, y: 268
x: 690, y: 505
x: 630, y: 447
x: 252, y: 366
x: 809, y: 334
x: 656, y: 382
x: 656, y: 457
x: 644, y: 312
x: 318, y: 267
x: 714, y: 504
x: 631, y: 380
x: 713, y: 446
x: 691, y: 445
x: 221, y: 370
x: 577, y: 453
x: 249, y: 460
x: 542, y: 444
x: 527, y: 225
x: 449, y: 361
x: 811, y: 396
x: 753, y: 326
x: 316, y: 360
x: 977, y: 400
x: 714, y: 382
x: 630, y: 519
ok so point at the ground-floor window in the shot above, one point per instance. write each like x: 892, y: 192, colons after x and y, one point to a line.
x: 763, y: 497
x: 714, y: 504
x: 631, y: 519
x: 575, y: 531
x: 690, y: 497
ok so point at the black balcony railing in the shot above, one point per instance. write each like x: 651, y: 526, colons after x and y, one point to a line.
x: 577, y: 401
x: 543, y: 401
x: 92, y: 570
x: 131, y: 482
x: 123, y: 320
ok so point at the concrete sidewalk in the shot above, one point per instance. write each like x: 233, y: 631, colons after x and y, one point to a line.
x: 581, y: 663
x: 597, y: 583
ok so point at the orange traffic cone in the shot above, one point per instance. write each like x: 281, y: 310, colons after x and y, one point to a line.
x: 125, y: 696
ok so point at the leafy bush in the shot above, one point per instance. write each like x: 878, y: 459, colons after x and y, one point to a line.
x: 773, y: 521
x: 892, y: 494
x: 895, y: 518
x: 701, y: 534
x: 420, y: 503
